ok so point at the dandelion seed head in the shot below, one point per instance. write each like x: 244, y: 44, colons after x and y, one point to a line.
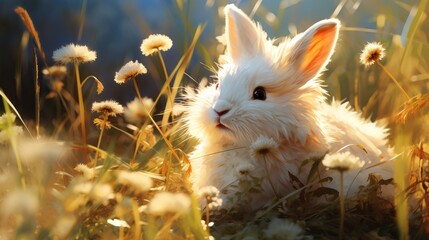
x: 11, y: 133
x: 74, y: 53
x: 155, y: 43
x: 83, y: 188
x: 262, y: 147
x: 371, y: 53
x: 20, y: 201
x: 282, y: 229
x: 55, y: 72
x: 135, y: 112
x: 342, y: 161
x: 87, y: 172
x: 166, y: 202
x: 208, y: 192
x: 32, y: 150
x: 6, y: 118
x: 211, y: 195
x: 129, y: 71
x: 244, y: 169
x: 102, y: 193
x: 109, y: 107
x: 138, y: 181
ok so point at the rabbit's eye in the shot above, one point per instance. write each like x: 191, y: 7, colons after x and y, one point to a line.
x: 259, y: 93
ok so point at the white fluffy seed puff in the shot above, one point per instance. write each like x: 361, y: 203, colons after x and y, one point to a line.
x: 342, y: 161
x: 263, y: 146
x: 371, y: 53
x: 166, y: 202
x: 211, y: 196
x: 129, y: 71
x: 137, y: 181
x: 136, y: 112
x: 87, y: 172
x: 155, y: 43
x: 74, y: 53
x: 108, y: 107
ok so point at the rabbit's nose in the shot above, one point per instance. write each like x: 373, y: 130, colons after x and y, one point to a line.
x: 222, y: 112
x: 222, y: 107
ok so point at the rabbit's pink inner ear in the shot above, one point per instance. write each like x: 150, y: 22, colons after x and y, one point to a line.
x: 319, y: 50
x: 241, y: 34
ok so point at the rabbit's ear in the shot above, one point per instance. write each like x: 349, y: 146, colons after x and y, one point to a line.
x: 312, y: 50
x: 241, y: 34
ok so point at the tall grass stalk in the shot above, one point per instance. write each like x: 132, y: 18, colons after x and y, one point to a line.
x: 37, y: 93
x: 180, y: 68
x: 82, y: 20
x: 154, y: 124
x: 356, y: 93
x: 14, y: 144
x: 170, y: 100
x: 401, y: 205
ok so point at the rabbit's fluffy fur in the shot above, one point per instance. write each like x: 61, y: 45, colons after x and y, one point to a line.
x: 227, y: 119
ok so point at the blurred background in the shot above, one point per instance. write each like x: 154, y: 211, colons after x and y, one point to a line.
x: 115, y: 30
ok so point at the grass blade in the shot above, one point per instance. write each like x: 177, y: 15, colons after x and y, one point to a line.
x: 5, y: 98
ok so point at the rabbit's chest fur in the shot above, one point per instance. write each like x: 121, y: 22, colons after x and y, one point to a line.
x: 231, y: 168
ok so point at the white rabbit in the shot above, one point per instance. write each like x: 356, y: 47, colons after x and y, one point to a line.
x: 272, y: 90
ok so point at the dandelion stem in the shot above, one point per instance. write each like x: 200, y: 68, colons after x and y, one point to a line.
x: 207, y: 214
x: 342, y: 208
x: 269, y: 179
x: 133, y: 159
x: 208, y: 217
x: 393, y: 79
x: 124, y: 132
x: 167, y: 225
x: 102, y: 127
x: 154, y: 124
x: 137, y: 231
x: 81, y: 106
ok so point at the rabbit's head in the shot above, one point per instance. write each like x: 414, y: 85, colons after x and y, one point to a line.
x: 264, y: 88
